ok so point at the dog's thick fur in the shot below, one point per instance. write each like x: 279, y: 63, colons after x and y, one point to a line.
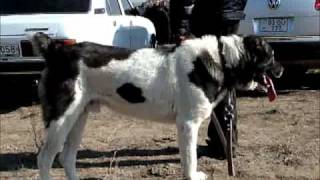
x: 180, y: 85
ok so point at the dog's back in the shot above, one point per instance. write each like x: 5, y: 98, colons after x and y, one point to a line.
x: 144, y: 83
x: 139, y: 83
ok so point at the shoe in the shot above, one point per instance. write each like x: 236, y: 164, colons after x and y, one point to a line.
x: 214, y: 150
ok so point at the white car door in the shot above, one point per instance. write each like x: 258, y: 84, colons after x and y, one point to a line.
x: 120, y: 23
x: 141, y: 29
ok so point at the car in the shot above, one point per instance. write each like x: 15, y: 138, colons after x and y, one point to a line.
x: 107, y: 22
x: 292, y: 27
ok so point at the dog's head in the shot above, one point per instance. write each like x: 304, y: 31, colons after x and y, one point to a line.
x: 259, y: 65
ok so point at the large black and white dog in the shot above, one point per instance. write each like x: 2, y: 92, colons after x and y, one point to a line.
x: 181, y: 85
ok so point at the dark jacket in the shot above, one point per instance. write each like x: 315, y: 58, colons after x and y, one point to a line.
x: 206, y: 17
x: 179, y: 16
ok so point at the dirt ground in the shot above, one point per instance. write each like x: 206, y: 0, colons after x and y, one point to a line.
x: 279, y: 140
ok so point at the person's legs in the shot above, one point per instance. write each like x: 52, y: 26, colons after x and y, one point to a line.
x: 215, y: 147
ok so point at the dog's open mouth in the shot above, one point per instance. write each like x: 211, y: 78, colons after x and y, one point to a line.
x: 267, y: 86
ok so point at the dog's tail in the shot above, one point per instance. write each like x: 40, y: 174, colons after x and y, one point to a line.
x: 40, y: 43
x: 58, y: 54
x: 56, y: 88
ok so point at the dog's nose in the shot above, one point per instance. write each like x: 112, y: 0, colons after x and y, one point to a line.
x: 277, y: 70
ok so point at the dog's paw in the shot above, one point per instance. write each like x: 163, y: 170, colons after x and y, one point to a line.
x: 198, y: 176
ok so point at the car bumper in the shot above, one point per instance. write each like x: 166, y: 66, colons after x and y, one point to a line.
x: 298, y: 51
x: 32, y: 66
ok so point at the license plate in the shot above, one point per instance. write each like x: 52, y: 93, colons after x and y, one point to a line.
x: 273, y: 25
x: 9, y: 50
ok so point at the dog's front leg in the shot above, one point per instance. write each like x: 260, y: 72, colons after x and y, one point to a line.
x: 187, y: 139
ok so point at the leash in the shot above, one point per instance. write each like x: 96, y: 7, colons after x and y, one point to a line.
x: 229, y: 118
x: 226, y: 140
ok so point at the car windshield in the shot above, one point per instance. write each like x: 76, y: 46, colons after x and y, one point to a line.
x: 43, y: 6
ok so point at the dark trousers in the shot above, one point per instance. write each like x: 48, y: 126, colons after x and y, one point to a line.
x: 214, y: 143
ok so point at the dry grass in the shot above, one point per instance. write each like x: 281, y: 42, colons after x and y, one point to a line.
x: 278, y: 140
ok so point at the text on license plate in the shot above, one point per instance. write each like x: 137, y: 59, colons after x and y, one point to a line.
x: 9, y: 50
x: 273, y: 25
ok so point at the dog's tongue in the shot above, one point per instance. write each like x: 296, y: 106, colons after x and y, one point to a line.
x: 272, y: 94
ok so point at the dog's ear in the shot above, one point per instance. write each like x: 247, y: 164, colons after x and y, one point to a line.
x: 253, y: 43
x: 257, y: 48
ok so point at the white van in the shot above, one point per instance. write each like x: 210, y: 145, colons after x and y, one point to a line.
x: 107, y: 22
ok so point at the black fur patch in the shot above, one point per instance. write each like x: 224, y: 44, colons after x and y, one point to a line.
x: 95, y: 55
x: 58, y: 81
x: 131, y: 93
x: 202, y: 78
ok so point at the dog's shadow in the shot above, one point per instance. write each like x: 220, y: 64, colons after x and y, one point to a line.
x: 28, y: 160
x: 137, y: 153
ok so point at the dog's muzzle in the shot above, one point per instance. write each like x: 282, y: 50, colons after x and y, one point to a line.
x: 265, y: 82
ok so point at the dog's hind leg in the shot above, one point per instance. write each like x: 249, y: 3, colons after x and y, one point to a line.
x: 57, y: 134
x: 69, y: 154
x: 187, y: 140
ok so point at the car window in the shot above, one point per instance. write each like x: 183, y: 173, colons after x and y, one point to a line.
x: 44, y: 6
x: 113, y: 7
x: 126, y: 6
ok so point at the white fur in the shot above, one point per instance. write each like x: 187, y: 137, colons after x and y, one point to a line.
x: 170, y: 97
x: 232, y: 50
